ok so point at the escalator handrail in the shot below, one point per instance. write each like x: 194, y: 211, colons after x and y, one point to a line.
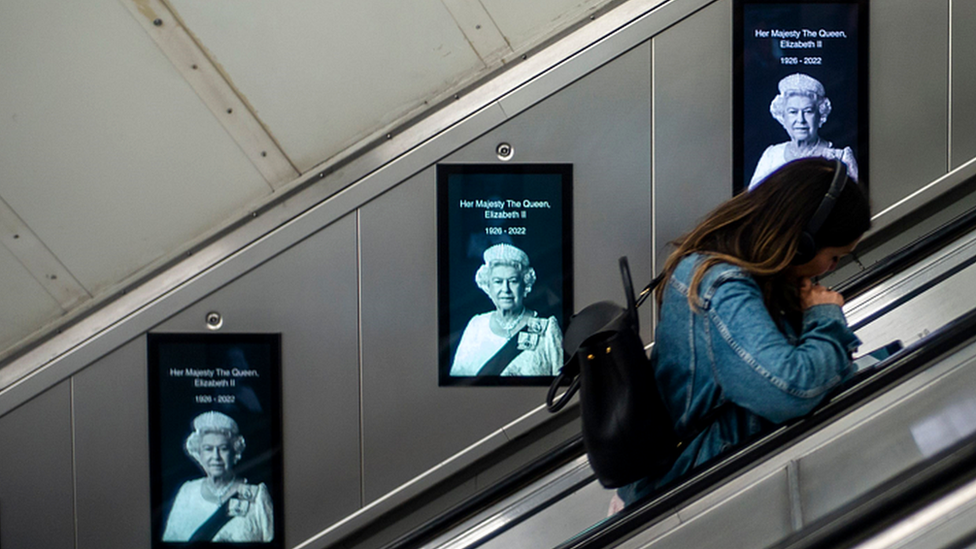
x: 911, y: 359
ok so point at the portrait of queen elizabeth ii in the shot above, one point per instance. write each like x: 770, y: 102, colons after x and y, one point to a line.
x: 220, y: 506
x: 802, y: 108
x: 510, y: 340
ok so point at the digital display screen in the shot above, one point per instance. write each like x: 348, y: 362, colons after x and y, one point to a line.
x: 504, y: 272
x: 215, y: 440
x: 800, y: 86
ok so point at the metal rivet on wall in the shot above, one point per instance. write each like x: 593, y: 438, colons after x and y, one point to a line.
x: 214, y: 320
x: 505, y: 151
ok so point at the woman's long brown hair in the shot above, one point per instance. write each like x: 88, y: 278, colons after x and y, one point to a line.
x: 759, y: 231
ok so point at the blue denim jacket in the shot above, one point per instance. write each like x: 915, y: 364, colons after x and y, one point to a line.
x: 732, y: 350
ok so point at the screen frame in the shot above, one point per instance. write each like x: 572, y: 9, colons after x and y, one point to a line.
x: 446, y: 339
x: 271, y: 452
x: 739, y: 97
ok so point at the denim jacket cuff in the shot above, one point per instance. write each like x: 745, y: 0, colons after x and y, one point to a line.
x: 833, y: 316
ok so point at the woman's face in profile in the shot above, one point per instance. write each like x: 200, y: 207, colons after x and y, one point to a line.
x: 216, y: 454
x: 507, y: 288
x: 802, y: 118
x: 824, y: 262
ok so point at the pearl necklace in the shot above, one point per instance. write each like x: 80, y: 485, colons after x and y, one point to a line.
x: 793, y: 151
x: 512, y: 324
x: 219, y: 492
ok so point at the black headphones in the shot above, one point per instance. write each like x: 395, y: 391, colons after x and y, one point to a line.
x: 807, y: 247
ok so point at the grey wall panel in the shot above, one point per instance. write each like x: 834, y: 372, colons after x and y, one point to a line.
x: 36, y: 482
x: 112, y: 450
x: 963, y: 81
x: 692, y: 122
x: 601, y: 124
x: 309, y: 294
x: 409, y: 424
x: 908, y: 82
x: 756, y: 517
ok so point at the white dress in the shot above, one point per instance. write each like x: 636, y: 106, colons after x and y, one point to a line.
x: 775, y: 156
x: 541, y: 344
x: 251, y: 509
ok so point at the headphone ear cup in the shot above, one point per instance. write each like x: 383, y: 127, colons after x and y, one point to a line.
x: 806, y: 249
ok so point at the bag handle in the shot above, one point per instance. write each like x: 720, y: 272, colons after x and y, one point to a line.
x: 634, y: 303
x: 554, y: 407
x: 632, y: 317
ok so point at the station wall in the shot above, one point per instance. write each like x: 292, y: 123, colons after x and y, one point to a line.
x: 649, y: 134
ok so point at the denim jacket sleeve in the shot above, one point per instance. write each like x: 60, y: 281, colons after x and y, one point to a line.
x: 755, y: 364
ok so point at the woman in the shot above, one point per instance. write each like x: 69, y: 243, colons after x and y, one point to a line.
x: 219, y: 507
x: 511, y: 340
x: 802, y: 108
x: 745, y: 339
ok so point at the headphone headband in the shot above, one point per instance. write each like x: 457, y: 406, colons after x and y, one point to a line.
x: 827, y: 204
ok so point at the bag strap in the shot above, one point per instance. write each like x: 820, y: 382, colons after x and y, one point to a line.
x: 632, y: 317
x: 649, y: 289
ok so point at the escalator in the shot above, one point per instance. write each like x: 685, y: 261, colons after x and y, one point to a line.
x: 891, y: 418
x: 919, y: 404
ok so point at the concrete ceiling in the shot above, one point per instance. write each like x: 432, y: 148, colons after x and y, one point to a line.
x: 132, y: 129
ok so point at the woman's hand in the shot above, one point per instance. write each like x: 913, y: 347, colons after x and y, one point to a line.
x: 814, y: 294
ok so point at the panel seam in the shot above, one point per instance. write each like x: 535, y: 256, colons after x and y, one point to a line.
x: 653, y: 179
x: 74, y: 459
x: 949, y: 96
x: 359, y: 338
